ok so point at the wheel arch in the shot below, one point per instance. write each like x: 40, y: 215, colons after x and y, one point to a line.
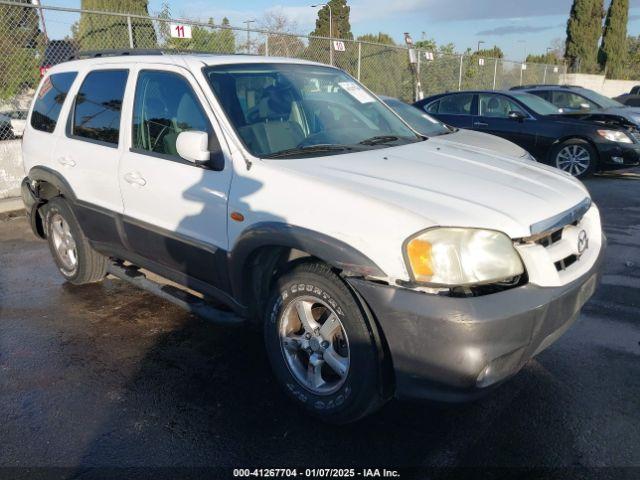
x: 266, y: 248
x: 567, y: 137
x: 43, y: 184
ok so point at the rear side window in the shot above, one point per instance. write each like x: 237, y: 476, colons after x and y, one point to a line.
x: 165, y: 106
x: 459, y: 104
x: 51, y: 95
x: 96, y: 114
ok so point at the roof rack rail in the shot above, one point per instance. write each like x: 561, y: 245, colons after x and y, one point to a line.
x: 116, y: 53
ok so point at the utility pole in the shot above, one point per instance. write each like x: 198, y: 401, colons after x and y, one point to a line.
x: 480, y: 42
x: 249, y: 22
x: 330, y: 29
x: 413, y: 63
x: 44, y: 25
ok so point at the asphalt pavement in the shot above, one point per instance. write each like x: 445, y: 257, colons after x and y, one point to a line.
x: 108, y: 376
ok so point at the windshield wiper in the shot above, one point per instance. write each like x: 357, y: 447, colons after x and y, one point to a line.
x: 379, y: 139
x: 308, y: 149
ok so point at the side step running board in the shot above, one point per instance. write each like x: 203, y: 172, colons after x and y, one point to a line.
x: 177, y: 296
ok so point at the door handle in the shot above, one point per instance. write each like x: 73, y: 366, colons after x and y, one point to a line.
x: 134, y: 178
x: 480, y: 124
x: 67, y: 162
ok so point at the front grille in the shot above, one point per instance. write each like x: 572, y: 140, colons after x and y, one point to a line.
x: 550, y: 239
x: 635, y: 134
x: 566, y: 262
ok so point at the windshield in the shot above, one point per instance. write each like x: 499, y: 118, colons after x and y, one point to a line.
x: 301, y: 110
x: 604, y: 102
x: 420, y: 121
x: 537, y: 104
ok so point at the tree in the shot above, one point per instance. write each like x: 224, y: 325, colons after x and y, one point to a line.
x: 385, y: 67
x: 99, y: 32
x: 613, y: 51
x: 284, y: 45
x: 549, y: 58
x: 584, y: 29
x: 341, y: 28
x: 20, y: 39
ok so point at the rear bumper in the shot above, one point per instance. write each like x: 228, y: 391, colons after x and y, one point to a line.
x: 31, y: 202
x: 456, y: 349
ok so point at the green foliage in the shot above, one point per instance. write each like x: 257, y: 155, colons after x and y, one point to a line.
x: 584, y: 29
x: 341, y: 28
x: 98, y: 32
x: 20, y: 42
x: 549, y: 58
x: 613, y: 53
x: 386, y: 70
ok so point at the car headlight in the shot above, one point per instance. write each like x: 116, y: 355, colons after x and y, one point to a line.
x: 615, y: 136
x: 462, y: 256
x: 527, y: 156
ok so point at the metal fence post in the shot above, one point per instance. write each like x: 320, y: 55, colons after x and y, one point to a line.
x: 544, y: 75
x: 266, y: 45
x: 130, y: 31
x: 460, y: 74
x: 359, y: 58
x: 495, y: 73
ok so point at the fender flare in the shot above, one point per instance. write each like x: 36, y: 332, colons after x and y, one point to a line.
x: 50, y: 176
x: 330, y: 250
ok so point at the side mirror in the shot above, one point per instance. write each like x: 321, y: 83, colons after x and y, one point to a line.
x: 515, y: 115
x: 193, y: 146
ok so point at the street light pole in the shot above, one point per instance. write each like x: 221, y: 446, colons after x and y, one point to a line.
x: 330, y: 29
x: 248, y: 22
x: 479, y: 43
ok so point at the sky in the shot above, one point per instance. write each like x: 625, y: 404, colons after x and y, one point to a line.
x: 518, y: 27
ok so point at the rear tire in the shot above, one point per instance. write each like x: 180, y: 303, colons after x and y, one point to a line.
x: 78, y: 262
x: 576, y: 157
x: 320, y: 346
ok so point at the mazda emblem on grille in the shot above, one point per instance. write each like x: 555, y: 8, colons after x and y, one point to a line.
x: 583, y: 242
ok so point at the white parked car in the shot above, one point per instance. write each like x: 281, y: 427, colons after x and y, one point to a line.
x: 18, y: 119
x: 380, y: 262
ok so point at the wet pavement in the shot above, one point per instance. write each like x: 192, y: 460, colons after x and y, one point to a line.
x: 109, y: 376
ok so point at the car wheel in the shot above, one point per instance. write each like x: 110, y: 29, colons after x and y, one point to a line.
x: 78, y: 262
x: 320, y: 346
x: 576, y: 157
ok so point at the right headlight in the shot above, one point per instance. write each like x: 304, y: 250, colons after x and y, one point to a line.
x: 615, y: 136
x: 461, y: 257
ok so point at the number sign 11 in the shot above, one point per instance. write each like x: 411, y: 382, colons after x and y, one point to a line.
x: 179, y: 30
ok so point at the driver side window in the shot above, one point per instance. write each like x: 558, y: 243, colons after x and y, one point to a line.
x: 165, y: 105
x: 496, y: 106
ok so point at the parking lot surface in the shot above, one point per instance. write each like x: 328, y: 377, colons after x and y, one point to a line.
x: 109, y: 376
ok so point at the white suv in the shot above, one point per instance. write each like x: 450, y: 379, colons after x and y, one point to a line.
x: 379, y: 261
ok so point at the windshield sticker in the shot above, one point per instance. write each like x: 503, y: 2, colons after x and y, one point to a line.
x: 357, y: 92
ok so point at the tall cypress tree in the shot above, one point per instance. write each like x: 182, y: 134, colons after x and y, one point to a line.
x: 99, y: 32
x: 584, y: 29
x: 613, y: 51
x: 340, y: 20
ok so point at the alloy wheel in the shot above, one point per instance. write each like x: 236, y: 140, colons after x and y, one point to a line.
x: 315, y: 345
x: 573, y: 159
x: 63, y: 243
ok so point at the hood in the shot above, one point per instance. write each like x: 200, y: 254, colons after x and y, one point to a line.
x: 449, y: 185
x: 482, y: 142
x: 609, y: 118
x: 630, y: 113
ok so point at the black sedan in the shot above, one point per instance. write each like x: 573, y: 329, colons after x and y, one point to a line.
x: 579, y: 144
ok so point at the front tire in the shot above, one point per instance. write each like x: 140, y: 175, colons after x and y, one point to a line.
x: 320, y: 347
x: 576, y: 157
x: 76, y: 260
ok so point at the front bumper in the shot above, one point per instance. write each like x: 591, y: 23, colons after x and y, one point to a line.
x: 455, y: 349
x: 618, y: 155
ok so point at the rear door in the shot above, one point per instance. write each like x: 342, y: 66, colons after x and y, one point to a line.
x: 89, y: 150
x: 175, y: 212
x: 454, y: 109
x: 493, y: 118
